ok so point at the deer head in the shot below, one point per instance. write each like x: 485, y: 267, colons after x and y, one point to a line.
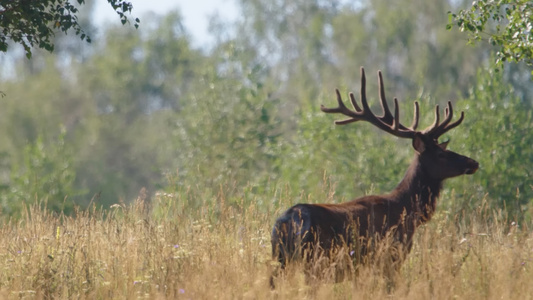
x: 433, y: 157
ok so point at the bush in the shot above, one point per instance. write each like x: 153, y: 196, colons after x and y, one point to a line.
x: 45, y: 175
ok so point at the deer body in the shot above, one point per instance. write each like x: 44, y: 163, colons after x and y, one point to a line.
x: 311, y: 229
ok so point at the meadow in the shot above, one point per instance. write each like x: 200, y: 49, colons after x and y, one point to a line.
x: 165, y: 249
x: 241, y: 122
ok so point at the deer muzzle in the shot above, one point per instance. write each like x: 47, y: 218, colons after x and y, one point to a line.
x: 472, y: 167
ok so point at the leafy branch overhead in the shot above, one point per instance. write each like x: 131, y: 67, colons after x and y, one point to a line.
x: 34, y: 23
x: 506, y: 24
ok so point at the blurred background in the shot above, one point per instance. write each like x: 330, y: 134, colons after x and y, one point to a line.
x: 219, y: 98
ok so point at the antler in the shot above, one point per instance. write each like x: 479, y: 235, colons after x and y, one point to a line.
x: 387, y: 121
x: 436, y: 130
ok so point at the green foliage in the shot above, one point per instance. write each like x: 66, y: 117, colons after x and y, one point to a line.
x: 33, y: 23
x: 46, y: 175
x: 506, y: 24
x: 240, y: 122
x: 497, y: 132
x: 227, y: 129
x: 349, y: 161
x: 315, y: 45
x: 133, y: 87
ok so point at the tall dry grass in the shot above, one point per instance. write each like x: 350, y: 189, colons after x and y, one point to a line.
x: 222, y: 251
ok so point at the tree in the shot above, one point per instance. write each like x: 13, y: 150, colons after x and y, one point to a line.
x: 506, y: 24
x: 34, y: 23
x: 499, y: 138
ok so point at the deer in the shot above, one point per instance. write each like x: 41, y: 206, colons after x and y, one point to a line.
x: 309, y: 231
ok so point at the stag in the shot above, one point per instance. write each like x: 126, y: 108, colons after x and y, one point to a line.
x: 307, y: 231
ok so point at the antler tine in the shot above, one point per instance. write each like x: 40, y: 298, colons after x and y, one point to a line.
x: 396, y: 120
x: 435, y: 124
x: 387, y: 116
x: 363, y: 91
x: 446, y: 125
x: 354, y: 103
x: 448, y: 113
x: 415, y: 117
x: 341, y: 109
x: 436, y: 130
x: 454, y: 124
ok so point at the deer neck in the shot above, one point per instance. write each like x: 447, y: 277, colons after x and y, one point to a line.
x: 418, y: 192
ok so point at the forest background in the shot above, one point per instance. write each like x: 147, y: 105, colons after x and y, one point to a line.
x: 143, y: 114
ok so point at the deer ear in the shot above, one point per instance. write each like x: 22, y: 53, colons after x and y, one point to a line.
x: 419, y: 143
x: 443, y: 145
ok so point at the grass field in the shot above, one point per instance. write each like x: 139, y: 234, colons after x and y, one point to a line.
x: 166, y: 251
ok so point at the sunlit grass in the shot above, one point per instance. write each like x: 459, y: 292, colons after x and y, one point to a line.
x: 166, y: 251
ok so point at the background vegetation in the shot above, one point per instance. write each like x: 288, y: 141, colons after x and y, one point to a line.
x: 143, y: 109
x: 215, y: 143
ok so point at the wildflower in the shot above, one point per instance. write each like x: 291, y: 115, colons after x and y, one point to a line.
x: 181, y: 291
x: 176, y: 246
